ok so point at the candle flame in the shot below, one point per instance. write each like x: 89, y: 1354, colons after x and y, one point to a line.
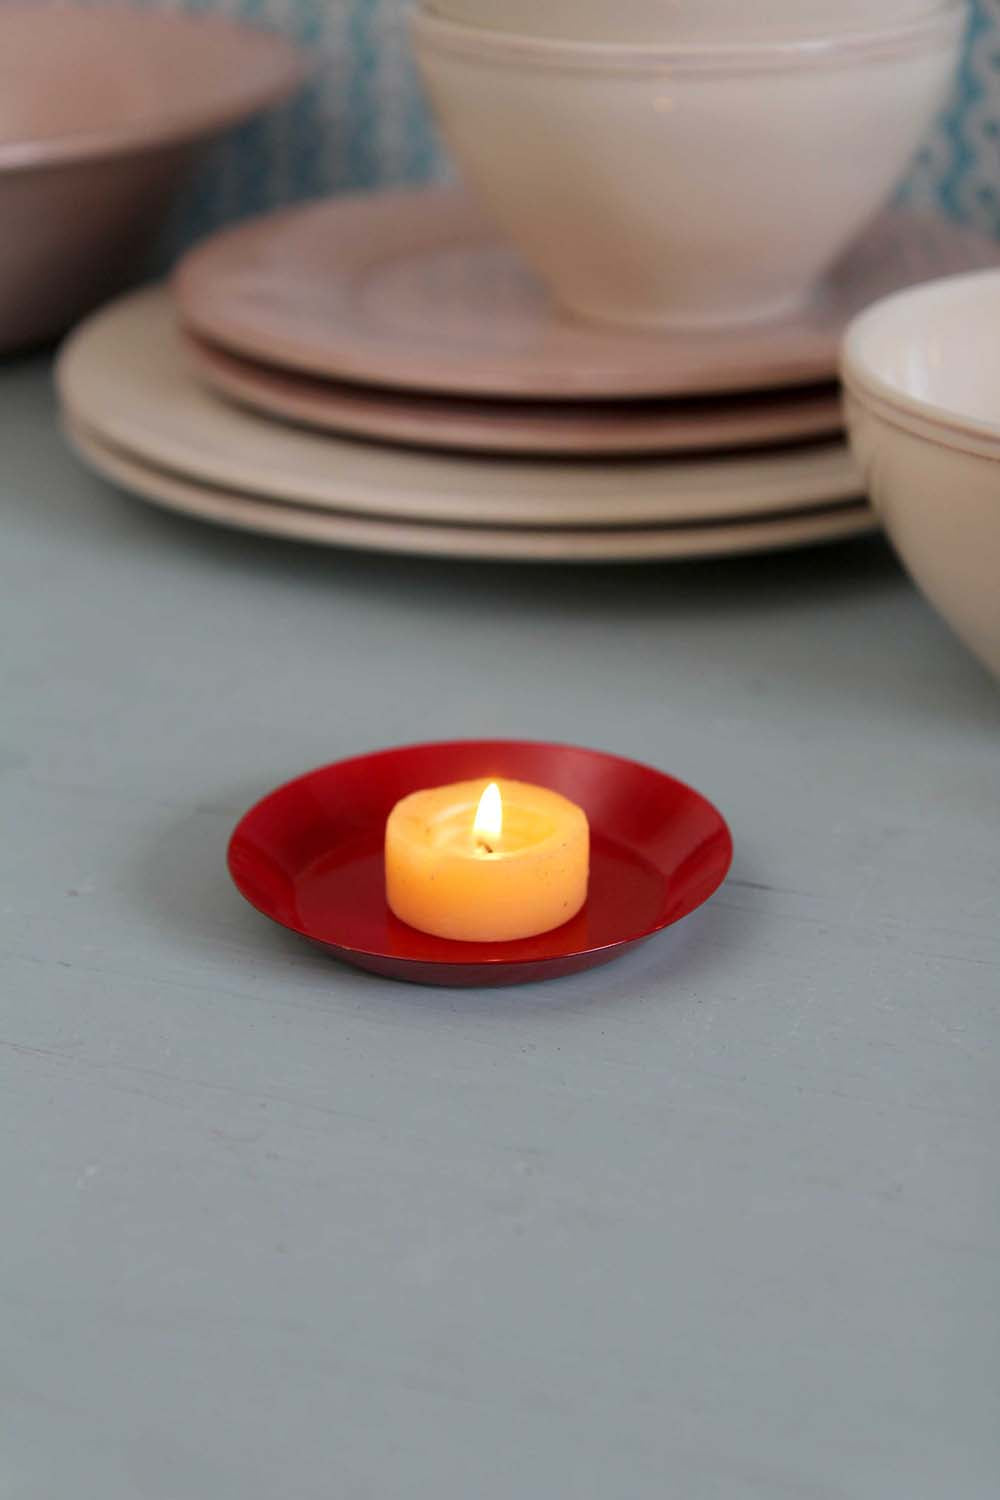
x: 488, y: 824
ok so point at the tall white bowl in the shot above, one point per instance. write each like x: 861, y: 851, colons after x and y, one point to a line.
x: 685, y: 185
x: 922, y: 377
x: 680, y: 20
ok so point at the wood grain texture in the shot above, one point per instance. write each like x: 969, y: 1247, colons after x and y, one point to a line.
x: 719, y: 1221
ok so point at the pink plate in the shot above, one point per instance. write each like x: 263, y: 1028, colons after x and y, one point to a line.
x: 309, y: 856
x: 411, y: 289
x: 754, y: 419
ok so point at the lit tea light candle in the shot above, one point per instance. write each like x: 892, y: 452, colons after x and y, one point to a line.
x: 486, y: 865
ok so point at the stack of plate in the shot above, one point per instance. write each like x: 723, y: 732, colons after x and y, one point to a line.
x: 379, y: 372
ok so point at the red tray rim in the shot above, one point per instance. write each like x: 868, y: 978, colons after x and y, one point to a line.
x: 462, y: 956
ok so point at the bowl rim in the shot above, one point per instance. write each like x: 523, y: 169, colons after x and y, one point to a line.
x: 886, y: 399
x: 279, y: 67
x: 925, y: 29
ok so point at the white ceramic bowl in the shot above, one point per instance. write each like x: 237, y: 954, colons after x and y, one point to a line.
x: 922, y: 379
x: 101, y: 111
x: 685, y: 185
x: 679, y: 20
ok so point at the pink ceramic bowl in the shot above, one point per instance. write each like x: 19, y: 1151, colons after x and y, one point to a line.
x: 98, y: 120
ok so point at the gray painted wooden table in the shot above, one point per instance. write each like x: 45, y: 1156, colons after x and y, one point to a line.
x: 718, y: 1221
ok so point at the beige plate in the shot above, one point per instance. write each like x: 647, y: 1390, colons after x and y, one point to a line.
x: 539, y: 427
x: 333, y: 529
x: 410, y: 289
x: 124, y: 375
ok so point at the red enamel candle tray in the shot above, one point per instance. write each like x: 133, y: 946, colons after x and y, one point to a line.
x: 310, y: 857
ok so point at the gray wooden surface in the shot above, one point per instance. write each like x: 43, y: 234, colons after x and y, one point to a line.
x: 719, y: 1221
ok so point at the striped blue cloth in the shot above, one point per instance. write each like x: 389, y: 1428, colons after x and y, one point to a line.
x: 362, y: 121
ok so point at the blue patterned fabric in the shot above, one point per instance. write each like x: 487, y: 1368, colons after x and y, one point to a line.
x: 959, y: 168
x: 361, y: 122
